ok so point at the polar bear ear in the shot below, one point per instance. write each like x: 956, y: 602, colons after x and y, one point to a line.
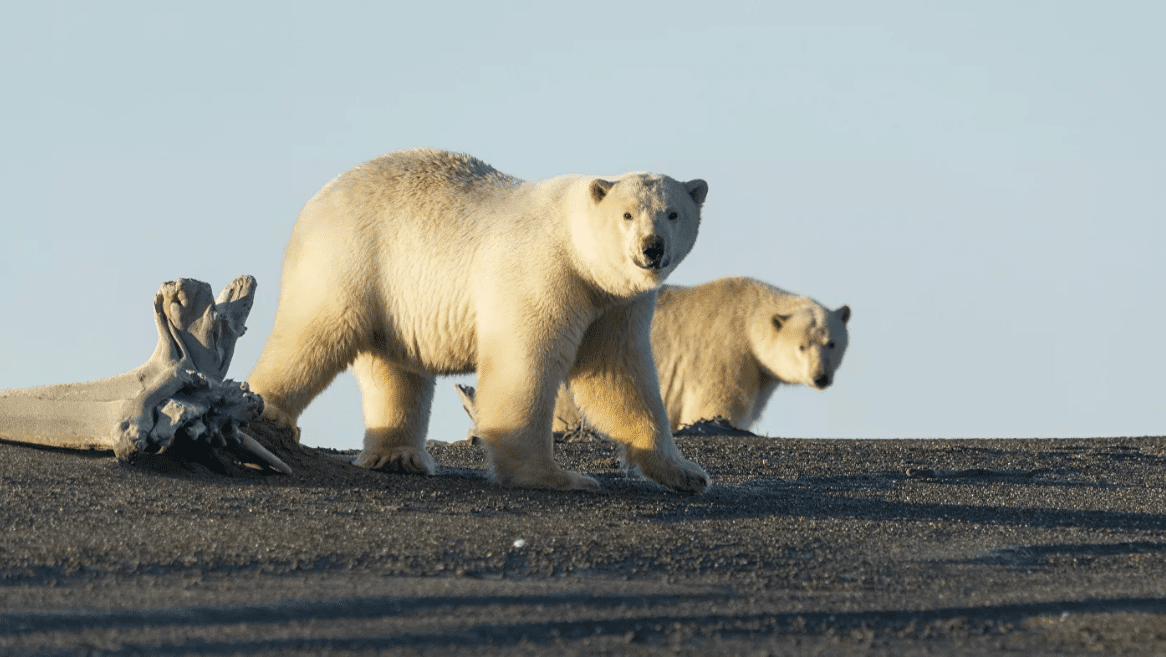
x: 599, y: 188
x: 697, y: 189
x: 778, y: 320
x: 844, y: 314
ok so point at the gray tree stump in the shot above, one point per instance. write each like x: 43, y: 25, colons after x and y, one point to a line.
x: 179, y: 394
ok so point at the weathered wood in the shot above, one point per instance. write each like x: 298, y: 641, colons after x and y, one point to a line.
x: 178, y: 394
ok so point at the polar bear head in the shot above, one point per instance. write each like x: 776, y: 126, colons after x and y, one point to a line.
x: 800, y: 341
x: 636, y: 229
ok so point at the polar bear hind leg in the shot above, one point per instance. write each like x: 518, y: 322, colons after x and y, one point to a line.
x: 396, y: 414
x: 302, y: 357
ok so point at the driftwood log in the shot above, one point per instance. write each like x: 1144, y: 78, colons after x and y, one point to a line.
x: 178, y: 396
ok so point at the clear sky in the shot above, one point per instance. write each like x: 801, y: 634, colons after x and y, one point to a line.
x: 984, y: 183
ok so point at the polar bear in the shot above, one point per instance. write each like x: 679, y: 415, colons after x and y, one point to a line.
x: 425, y: 262
x: 723, y: 347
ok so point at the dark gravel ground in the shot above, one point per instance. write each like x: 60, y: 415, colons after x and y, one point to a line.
x: 832, y: 547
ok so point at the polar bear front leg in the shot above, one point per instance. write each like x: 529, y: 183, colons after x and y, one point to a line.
x: 614, y: 383
x: 396, y: 414
x: 515, y: 399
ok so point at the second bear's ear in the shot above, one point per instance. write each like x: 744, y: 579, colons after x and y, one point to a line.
x: 844, y: 314
x: 599, y: 188
x: 778, y: 320
x: 697, y: 189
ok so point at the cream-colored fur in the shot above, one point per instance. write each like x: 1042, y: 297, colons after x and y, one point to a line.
x: 722, y: 348
x: 423, y: 263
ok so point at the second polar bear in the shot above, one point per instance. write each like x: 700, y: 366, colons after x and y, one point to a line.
x: 424, y: 262
x: 723, y: 347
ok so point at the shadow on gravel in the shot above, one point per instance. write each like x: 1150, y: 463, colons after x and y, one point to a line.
x: 815, y: 498
x: 1024, y: 557
x: 657, y: 626
x: 302, y: 611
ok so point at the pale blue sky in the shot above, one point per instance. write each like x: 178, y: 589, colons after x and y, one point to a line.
x: 982, y: 182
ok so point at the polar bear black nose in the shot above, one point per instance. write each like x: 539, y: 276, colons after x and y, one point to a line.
x: 654, y: 252
x: 822, y: 381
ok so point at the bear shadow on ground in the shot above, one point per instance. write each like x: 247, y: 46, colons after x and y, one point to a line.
x: 739, y: 489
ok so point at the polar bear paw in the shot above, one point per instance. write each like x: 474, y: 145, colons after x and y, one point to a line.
x: 402, y: 460
x: 676, y: 473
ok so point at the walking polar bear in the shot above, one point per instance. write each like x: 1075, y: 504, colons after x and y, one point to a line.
x: 722, y: 348
x: 424, y: 263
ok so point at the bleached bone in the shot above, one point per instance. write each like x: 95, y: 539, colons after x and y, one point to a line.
x: 466, y: 393
x: 178, y: 394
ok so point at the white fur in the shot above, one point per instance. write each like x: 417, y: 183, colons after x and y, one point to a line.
x: 722, y: 348
x: 423, y: 263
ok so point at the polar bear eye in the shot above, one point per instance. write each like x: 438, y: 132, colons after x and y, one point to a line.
x: 672, y: 216
x: 627, y: 215
x: 830, y: 344
x: 801, y: 347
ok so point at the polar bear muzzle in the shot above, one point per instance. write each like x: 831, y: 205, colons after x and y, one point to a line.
x: 652, y: 252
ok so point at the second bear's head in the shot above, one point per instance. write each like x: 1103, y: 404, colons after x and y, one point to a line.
x: 639, y: 227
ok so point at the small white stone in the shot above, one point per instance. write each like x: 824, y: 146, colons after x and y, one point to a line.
x: 519, y: 543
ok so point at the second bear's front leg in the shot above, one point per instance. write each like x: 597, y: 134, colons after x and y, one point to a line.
x: 514, y: 401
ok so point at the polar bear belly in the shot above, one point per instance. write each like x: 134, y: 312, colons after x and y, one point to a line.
x: 429, y: 323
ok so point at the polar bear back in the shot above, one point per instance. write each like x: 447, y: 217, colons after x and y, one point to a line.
x: 392, y: 222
